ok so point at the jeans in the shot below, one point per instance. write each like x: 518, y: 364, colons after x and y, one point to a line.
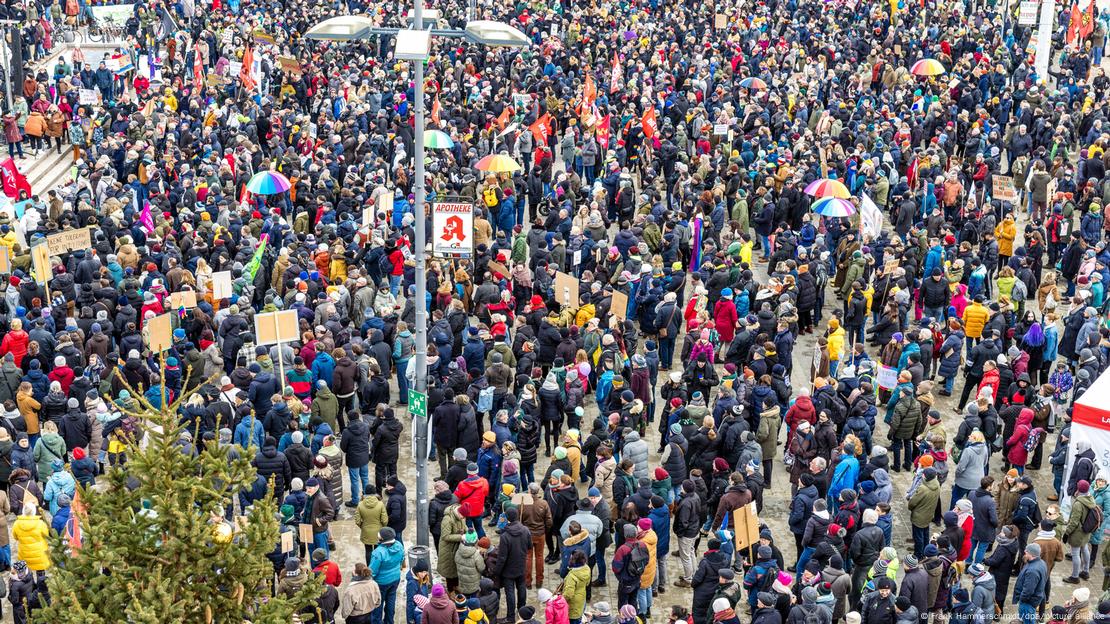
x: 948, y: 383
x: 832, y: 368
x: 402, y: 382
x: 920, y: 540
x: 666, y: 351
x: 1027, y: 613
x: 515, y: 594
x: 978, y: 551
x: 320, y: 540
x: 360, y: 478
x: 475, y: 524
x: 394, y: 284
x: 936, y: 313
x: 389, y: 602
x: 765, y: 242
x: 1080, y: 559
x: 803, y: 558
x: 643, y: 600
x: 957, y: 493
x: 599, y: 561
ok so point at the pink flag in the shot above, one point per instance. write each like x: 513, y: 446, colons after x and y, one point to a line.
x: 145, y: 218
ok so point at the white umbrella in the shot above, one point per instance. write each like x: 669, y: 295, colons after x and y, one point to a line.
x: 342, y: 28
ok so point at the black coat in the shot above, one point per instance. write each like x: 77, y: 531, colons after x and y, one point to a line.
x: 445, y: 422
x: 395, y: 511
x: 75, y: 429
x: 386, y: 432
x: 300, y: 460
x: 271, y: 462
x: 355, y: 443
x: 516, y: 541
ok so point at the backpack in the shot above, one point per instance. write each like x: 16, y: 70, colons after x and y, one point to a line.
x: 489, y: 196
x: 485, y: 399
x: 1033, y: 439
x: 637, y: 560
x: 1092, y: 520
x: 810, y: 616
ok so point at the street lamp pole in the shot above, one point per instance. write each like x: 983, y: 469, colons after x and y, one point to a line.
x: 420, y: 424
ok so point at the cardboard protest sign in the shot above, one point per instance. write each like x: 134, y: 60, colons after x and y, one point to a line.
x: 159, y: 333
x: 275, y: 327
x: 221, y: 285
x: 566, y: 289
x: 619, y: 306
x: 186, y: 299
x: 69, y: 240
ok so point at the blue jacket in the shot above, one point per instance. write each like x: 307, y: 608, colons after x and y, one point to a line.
x: 844, y: 477
x: 58, y: 523
x: 249, y: 432
x: 413, y: 588
x: 474, y: 352
x: 1030, y: 585
x: 933, y: 259
x: 322, y: 368
x: 385, y: 563
x: 661, y: 524
x: 489, y: 464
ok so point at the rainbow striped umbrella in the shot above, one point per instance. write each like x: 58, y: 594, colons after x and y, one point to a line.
x: 753, y: 83
x: 498, y: 163
x: 268, y: 183
x: 833, y: 207
x: 827, y: 187
x: 927, y: 67
x: 438, y: 139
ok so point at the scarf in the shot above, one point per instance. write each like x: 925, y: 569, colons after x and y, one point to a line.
x: 727, y: 614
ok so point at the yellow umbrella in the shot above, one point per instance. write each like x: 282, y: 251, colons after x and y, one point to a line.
x: 498, y: 163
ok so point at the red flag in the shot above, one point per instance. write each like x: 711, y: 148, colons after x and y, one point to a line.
x: 649, y: 124
x: 435, y: 110
x: 13, y: 180
x: 603, y: 132
x: 245, y: 73
x: 1087, y: 24
x: 1073, y: 24
x: 198, y: 68
x: 541, y: 128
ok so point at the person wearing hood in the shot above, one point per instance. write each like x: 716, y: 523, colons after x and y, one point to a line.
x: 325, y: 406
x: 249, y: 432
x: 60, y: 482
x: 49, y: 448
x: 362, y: 597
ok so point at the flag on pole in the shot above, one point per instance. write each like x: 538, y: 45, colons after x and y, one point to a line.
x: 1087, y: 24
x: 1074, y: 22
x: 541, y: 128
x: 695, y: 245
x: 603, y: 131
x: 615, y: 75
x: 198, y: 67
x: 504, y: 117
x: 256, y: 260
x: 589, y: 91
x: 871, y: 218
x: 245, y: 72
x: 649, y: 124
x: 435, y: 110
x: 146, y: 219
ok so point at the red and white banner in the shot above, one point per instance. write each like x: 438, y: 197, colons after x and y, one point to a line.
x: 452, y: 229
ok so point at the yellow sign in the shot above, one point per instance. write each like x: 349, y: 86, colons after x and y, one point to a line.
x: 40, y: 262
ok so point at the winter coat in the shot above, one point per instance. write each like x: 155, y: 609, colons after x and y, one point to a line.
x: 470, y: 567
x: 31, y: 533
x: 370, y: 517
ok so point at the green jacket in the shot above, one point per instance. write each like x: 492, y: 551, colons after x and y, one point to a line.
x: 923, y: 503
x: 470, y: 566
x: 906, y: 420
x: 326, y: 406
x: 49, y: 447
x: 370, y: 517
x: 450, y: 537
x: 768, y: 433
x: 1080, y: 507
x: 852, y: 273
x: 574, y: 590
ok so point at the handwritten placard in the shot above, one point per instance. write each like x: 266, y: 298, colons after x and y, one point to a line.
x: 69, y: 240
x: 159, y: 333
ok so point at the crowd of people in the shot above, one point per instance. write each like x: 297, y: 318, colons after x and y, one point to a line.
x: 665, y: 152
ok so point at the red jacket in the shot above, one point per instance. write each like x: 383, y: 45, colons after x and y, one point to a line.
x: 64, y: 376
x: 332, y: 575
x: 472, y: 492
x: 801, y: 410
x: 725, y: 314
x: 15, y: 342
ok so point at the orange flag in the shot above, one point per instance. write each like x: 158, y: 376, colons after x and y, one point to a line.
x: 649, y: 124
x: 589, y: 91
x: 504, y: 117
x: 541, y: 128
x: 435, y: 110
x: 245, y: 76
